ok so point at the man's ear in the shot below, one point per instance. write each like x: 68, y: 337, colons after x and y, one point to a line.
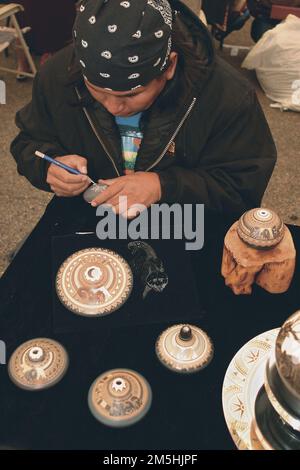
x: 170, y: 72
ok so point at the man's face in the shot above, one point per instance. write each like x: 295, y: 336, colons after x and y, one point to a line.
x: 128, y: 103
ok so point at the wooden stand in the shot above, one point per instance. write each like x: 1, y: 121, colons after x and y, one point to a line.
x: 272, y: 269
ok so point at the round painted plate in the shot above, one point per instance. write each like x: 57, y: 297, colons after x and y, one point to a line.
x: 243, y: 380
x: 94, y: 282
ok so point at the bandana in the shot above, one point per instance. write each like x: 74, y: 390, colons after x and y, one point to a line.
x: 123, y: 45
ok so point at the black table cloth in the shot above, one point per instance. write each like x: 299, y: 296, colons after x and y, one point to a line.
x: 186, y: 411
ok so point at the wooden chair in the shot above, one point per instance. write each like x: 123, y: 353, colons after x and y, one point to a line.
x: 8, y: 34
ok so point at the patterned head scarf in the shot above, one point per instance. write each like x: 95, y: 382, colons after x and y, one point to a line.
x: 123, y: 45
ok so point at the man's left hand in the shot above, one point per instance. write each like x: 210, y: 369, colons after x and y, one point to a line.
x: 139, y: 188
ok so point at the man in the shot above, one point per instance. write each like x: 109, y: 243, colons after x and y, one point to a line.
x: 141, y: 102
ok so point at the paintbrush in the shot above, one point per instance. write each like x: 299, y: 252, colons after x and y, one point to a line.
x: 62, y: 165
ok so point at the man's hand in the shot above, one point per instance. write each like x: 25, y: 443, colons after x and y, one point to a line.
x: 139, y: 188
x: 64, y: 183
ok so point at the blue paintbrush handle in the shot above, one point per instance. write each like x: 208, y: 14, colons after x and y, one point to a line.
x: 58, y: 163
x: 61, y: 165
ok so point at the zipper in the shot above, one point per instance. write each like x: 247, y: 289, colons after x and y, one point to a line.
x: 163, y: 152
x: 98, y: 136
x: 174, y: 135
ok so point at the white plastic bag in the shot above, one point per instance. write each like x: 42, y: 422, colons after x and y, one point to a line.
x: 276, y: 59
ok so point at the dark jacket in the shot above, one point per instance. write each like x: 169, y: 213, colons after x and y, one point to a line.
x: 224, y: 152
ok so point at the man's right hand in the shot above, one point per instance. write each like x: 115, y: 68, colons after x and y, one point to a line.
x: 64, y: 183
